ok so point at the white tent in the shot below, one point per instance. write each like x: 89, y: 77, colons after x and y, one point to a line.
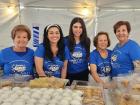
x: 111, y: 11
x: 101, y: 17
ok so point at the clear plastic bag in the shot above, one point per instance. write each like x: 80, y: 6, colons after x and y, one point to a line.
x: 6, y: 81
x: 93, y: 92
x: 21, y: 80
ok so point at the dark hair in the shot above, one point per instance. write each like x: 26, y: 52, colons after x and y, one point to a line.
x: 84, y: 40
x: 60, y: 44
x: 21, y: 28
x: 120, y: 23
x: 95, y: 40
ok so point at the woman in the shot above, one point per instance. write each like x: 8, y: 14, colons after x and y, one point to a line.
x: 18, y: 59
x: 100, y: 58
x: 79, y: 50
x: 126, y: 54
x: 50, y: 56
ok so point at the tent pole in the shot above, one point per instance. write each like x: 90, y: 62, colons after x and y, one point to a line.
x: 19, y: 13
x: 96, y: 19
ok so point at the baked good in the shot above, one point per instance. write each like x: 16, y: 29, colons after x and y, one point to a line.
x: 47, y: 82
x: 136, y: 87
x: 125, y: 83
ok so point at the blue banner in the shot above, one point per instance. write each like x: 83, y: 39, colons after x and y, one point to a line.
x: 35, y: 36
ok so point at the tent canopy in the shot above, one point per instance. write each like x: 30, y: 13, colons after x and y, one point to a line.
x: 115, y: 4
x: 103, y: 15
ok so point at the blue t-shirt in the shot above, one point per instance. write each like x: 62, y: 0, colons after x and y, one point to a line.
x: 123, y: 56
x: 103, y: 64
x: 51, y: 67
x: 77, y: 60
x: 17, y: 62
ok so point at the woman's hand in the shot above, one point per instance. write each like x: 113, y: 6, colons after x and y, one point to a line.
x: 39, y: 67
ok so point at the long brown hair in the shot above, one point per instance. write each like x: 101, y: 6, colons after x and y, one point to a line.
x: 84, y: 40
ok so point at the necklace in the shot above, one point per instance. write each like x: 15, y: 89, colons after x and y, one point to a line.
x: 103, y: 53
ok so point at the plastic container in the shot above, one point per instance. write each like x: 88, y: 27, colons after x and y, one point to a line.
x: 6, y: 81
x: 122, y: 82
x: 127, y: 90
x: 48, y: 82
x: 137, y: 66
x: 93, y: 92
x: 135, y: 88
x: 15, y: 80
x: 125, y: 99
x: 21, y: 80
x: 136, y: 77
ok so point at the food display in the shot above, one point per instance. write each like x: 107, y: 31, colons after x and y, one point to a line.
x: 24, y: 81
x: 48, y: 82
x: 135, y: 84
x: 14, y: 80
x: 122, y: 81
x: 136, y: 87
x: 39, y: 96
x: 121, y: 98
x: 6, y: 81
x: 93, y: 94
x: 127, y: 91
x: 53, y: 91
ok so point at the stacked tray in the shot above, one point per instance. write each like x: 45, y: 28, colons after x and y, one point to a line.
x: 93, y: 93
x: 127, y: 90
x: 15, y: 80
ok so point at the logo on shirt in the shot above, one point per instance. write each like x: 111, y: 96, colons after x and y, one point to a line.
x: 105, y: 70
x: 114, y: 63
x: 77, y: 57
x: 54, y: 67
x: 18, y: 67
x: 114, y: 58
